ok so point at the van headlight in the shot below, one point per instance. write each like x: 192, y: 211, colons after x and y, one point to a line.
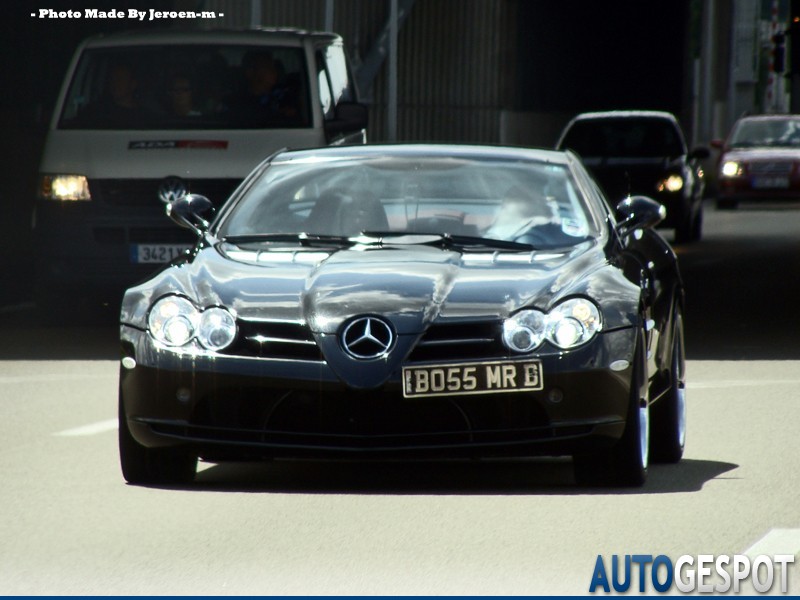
x: 570, y: 324
x: 175, y: 321
x: 66, y: 188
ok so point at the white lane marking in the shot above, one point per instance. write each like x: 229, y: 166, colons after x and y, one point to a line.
x: 50, y: 377
x: 776, y: 541
x: 91, y: 429
x: 734, y: 384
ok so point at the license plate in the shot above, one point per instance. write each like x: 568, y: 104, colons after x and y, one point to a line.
x: 472, y: 378
x: 155, y: 253
x: 770, y: 183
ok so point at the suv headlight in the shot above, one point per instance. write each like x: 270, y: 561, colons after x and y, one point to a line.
x: 572, y: 323
x: 673, y: 183
x: 175, y: 321
x: 67, y: 188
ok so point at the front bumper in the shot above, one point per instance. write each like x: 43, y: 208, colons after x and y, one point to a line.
x: 744, y: 188
x: 232, y: 408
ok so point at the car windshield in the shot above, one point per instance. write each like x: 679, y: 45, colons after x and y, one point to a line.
x: 773, y: 132
x: 624, y: 137
x: 467, y: 200
x: 188, y: 87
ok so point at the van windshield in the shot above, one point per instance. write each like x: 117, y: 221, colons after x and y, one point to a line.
x: 188, y: 87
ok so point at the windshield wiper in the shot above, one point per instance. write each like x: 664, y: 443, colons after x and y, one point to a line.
x: 304, y: 239
x: 448, y: 241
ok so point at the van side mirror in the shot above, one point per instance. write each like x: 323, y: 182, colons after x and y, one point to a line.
x: 190, y: 211
x: 348, y: 117
x: 638, y: 212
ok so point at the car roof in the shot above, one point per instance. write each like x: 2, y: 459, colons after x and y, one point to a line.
x: 411, y: 150
x: 624, y: 114
x: 262, y: 35
x: 772, y: 117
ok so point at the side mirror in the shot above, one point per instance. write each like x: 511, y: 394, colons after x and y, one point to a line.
x: 639, y: 212
x: 190, y: 211
x: 349, y: 116
x: 718, y: 144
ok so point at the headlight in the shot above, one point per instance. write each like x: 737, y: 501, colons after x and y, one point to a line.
x: 524, y: 331
x: 570, y: 324
x: 731, y: 169
x: 175, y: 321
x: 573, y: 323
x: 673, y: 183
x: 217, y: 328
x: 65, y: 188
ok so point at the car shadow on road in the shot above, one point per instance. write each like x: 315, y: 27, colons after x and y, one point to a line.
x: 441, y: 478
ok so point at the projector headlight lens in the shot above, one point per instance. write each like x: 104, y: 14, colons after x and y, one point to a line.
x: 570, y: 324
x: 524, y: 331
x: 217, y: 328
x: 175, y: 321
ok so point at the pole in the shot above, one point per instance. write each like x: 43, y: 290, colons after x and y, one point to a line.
x: 391, y: 133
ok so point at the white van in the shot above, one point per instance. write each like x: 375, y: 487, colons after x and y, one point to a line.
x: 143, y: 118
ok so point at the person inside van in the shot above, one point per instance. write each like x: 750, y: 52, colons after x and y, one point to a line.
x: 119, y: 105
x: 181, y: 100
x: 264, y: 99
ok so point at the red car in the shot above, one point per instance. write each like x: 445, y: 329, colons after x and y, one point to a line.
x: 760, y: 160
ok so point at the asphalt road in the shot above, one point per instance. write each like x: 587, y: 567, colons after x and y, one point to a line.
x: 70, y: 525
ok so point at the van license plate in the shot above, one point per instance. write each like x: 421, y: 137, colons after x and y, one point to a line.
x: 472, y: 378
x: 156, y: 253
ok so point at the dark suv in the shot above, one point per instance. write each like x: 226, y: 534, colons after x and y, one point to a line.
x: 645, y: 153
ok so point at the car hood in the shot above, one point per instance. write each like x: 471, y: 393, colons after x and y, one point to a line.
x: 410, y: 285
x: 761, y: 154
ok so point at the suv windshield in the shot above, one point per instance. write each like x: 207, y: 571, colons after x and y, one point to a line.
x: 188, y: 87
x: 626, y: 137
x: 525, y: 202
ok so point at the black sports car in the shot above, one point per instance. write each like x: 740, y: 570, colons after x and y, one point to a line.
x: 409, y: 301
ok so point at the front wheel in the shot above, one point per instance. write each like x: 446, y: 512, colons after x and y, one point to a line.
x: 669, y: 413
x: 626, y: 463
x: 152, y: 466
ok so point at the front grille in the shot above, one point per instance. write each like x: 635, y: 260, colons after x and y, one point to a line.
x: 459, y: 342
x: 273, y: 339
x: 144, y: 192
x: 770, y: 168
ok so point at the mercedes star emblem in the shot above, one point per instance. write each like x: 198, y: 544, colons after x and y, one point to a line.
x: 368, y: 338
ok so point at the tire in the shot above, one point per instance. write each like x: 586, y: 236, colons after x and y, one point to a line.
x: 690, y: 229
x: 626, y: 463
x: 697, y: 227
x: 668, y: 437
x: 727, y: 204
x: 152, y: 466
